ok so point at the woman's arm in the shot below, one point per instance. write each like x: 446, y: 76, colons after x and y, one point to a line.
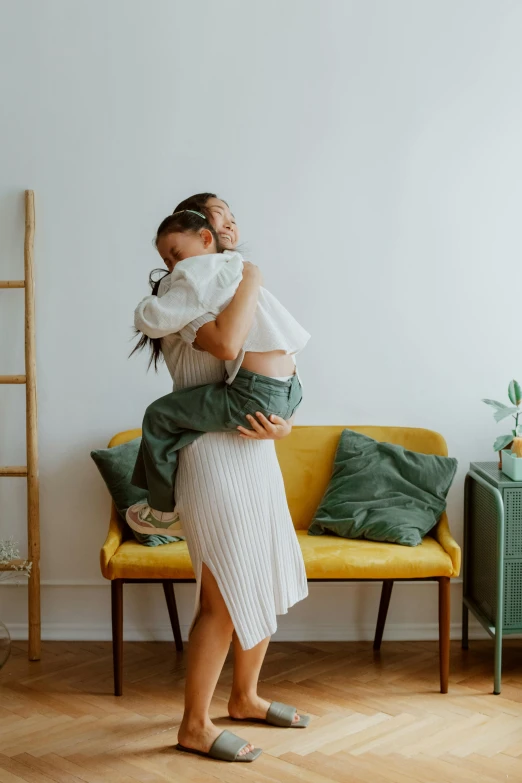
x: 225, y: 336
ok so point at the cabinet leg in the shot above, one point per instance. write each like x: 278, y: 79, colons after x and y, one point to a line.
x: 465, y: 623
x: 498, y: 662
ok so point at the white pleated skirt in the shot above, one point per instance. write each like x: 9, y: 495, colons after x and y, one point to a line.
x: 232, y: 504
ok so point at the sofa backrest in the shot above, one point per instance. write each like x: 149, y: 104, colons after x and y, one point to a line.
x: 306, y: 457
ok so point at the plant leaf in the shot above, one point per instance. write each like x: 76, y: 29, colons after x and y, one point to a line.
x: 495, y: 404
x: 502, y: 441
x: 515, y: 392
x: 504, y: 413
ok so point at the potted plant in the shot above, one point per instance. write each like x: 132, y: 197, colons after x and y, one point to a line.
x: 11, y: 565
x: 512, y: 440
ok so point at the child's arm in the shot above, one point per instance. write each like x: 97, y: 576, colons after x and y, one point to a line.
x: 157, y: 316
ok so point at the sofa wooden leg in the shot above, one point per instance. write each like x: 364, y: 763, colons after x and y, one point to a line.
x: 170, y: 597
x: 117, y: 633
x: 444, y: 631
x: 386, y: 592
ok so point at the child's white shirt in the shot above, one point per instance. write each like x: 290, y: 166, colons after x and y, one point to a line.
x: 204, y: 285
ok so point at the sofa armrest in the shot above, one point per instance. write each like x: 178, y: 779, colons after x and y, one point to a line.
x: 442, y: 534
x: 112, y: 542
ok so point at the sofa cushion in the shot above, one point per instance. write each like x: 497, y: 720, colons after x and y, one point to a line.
x: 116, y: 465
x: 134, y: 561
x: 383, y: 492
x: 331, y: 557
x: 307, y: 456
x: 325, y: 557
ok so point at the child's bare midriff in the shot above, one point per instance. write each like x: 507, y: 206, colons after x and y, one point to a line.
x: 271, y: 363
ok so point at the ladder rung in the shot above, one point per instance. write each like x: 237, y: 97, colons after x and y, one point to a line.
x: 11, y: 565
x: 12, y: 283
x: 14, y: 470
x: 12, y: 379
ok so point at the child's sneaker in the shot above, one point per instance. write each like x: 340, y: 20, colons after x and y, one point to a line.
x: 144, y: 519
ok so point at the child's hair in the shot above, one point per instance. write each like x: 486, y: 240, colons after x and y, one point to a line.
x: 185, y: 221
x: 182, y: 221
x: 197, y: 202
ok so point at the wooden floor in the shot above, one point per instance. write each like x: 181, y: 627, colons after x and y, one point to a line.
x: 374, y: 719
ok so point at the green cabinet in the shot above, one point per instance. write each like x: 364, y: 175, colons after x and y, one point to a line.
x: 492, y: 567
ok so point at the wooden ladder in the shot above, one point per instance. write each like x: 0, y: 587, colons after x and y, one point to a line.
x: 31, y: 469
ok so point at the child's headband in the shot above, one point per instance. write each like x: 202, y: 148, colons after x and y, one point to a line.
x: 190, y: 210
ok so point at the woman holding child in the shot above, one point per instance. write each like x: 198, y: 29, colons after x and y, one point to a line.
x: 229, y: 490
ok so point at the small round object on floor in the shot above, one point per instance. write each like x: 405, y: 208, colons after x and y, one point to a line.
x: 5, y: 644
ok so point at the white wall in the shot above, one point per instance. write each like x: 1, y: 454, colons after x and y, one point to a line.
x: 371, y: 152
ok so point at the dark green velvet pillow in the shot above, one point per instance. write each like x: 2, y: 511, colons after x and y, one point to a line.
x: 383, y: 492
x: 116, y: 466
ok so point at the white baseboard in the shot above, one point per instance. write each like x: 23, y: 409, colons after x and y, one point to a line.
x: 80, y: 611
x: 289, y: 633
x: 106, y: 583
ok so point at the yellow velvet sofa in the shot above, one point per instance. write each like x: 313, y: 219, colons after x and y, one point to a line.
x: 306, y: 458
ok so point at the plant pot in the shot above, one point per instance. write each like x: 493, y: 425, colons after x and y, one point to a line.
x: 516, y: 447
x: 511, y: 465
x: 508, y: 447
x: 5, y: 644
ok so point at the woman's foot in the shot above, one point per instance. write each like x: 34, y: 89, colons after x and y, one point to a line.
x: 198, y: 736
x: 245, y: 708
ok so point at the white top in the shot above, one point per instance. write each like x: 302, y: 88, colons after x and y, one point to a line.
x: 200, y: 288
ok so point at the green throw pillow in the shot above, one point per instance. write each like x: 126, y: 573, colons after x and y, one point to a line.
x: 383, y: 492
x: 116, y: 466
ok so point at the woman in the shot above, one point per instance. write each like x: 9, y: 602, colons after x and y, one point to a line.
x: 230, y: 489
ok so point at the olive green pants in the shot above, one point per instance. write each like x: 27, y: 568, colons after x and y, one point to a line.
x: 181, y: 417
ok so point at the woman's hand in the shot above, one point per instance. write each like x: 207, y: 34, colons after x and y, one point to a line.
x: 252, y: 271
x: 273, y: 428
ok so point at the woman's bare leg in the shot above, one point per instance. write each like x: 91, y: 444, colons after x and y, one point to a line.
x: 208, y: 647
x: 244, y: 701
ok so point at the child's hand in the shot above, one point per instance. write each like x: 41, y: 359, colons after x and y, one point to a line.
x: 273, y: 428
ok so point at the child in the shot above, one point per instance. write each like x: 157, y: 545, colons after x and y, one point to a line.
x: 202, y: 283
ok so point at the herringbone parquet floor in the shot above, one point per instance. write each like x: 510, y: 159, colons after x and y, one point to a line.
x: 376, y: 719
